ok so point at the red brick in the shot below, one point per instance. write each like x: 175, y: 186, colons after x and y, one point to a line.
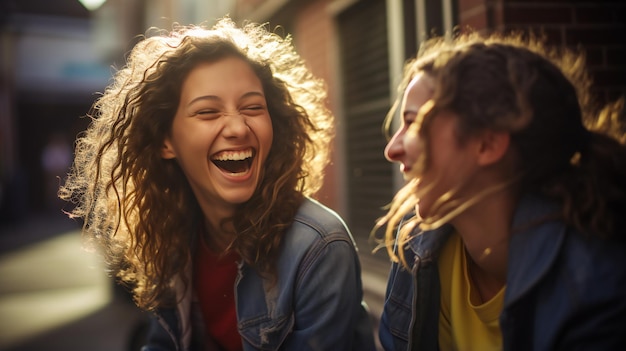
x: 478, y: 21
x: 543, y: 2
x: 588, y: 14
x: 616, y: 56
x: 470, y: 4
x: 613, y: 94
x: 538, y: 15
x: 595, y: 56
x: 553, y: 36
x: 609, y: 77
x: 607, y: 35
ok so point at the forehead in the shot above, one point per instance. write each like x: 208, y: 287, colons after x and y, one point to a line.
x: 224, y: 78
x: 418, y: 91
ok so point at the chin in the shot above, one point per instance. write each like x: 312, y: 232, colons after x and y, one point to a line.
x: 239, y: 198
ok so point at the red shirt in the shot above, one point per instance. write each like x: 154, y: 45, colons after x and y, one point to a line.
x: 215, y: 286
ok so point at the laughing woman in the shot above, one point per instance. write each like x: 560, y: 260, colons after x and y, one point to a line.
x: 194, y: 179
x: 512, y: 230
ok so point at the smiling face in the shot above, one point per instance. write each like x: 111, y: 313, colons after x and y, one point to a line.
x: 449, y: 164
x: 221, y: 134
x: 417, y: 93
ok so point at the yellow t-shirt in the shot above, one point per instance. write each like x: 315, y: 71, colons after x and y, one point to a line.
x: 462, y: 325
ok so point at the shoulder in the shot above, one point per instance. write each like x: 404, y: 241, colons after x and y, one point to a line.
x: 562, y: 256
x: 594, y: 262
x: 539, y: 231
x: 316, y: 231
x: 320, y: 221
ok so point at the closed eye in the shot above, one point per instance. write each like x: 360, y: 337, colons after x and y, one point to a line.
x: 409, y: 116
x: 253, y: 110
x: 208, y: 114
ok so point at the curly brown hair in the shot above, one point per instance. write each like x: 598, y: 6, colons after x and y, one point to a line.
x: 137, y: 207
x: 567, y: 148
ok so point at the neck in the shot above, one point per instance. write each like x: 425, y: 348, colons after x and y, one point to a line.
x: 484, y: 286
x: 484, y: 229
x: 217, y: 235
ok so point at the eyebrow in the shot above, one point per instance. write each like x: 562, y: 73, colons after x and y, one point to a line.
x: 217, y: 98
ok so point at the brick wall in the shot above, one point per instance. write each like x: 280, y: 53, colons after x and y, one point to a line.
x: 594, y: 25
x: 313, y: 30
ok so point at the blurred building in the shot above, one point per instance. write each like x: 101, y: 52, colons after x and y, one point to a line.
x: 357, y: 46
x: 49, y: 73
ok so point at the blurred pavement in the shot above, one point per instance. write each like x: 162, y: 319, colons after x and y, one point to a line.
x: 55, y: 296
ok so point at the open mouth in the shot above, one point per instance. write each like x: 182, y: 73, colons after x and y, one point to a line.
x: 234, y: 162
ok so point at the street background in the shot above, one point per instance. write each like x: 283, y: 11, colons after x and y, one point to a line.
x: 56, y: 296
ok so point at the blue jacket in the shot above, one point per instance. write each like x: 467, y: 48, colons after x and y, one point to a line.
x: 316, y: 303
x: 564, y: 290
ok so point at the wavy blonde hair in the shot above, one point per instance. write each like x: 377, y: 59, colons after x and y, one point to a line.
x: 138, y: 208
x: 567, y: 148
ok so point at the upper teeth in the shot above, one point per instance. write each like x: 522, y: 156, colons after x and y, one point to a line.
x: 233, y: 155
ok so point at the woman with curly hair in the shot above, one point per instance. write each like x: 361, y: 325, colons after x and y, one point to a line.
x: 194, y: 180
x: 509, y: 232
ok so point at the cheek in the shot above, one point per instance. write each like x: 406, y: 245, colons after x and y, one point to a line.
x: 414, y: 150
x: 411, y: 144
x: 195, y: 137
x: 262, y: 128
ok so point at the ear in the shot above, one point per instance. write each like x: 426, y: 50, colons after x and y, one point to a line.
x: 167, y: 150
x: 493, y: 146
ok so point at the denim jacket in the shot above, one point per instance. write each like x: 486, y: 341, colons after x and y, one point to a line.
x: 316, y: 304
x: 564, y: 290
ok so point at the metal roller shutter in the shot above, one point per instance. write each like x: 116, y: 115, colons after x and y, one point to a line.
x: 365, y: 69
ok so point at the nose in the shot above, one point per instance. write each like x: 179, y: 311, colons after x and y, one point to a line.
x: 394, y: 151
x: 235, y: 125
